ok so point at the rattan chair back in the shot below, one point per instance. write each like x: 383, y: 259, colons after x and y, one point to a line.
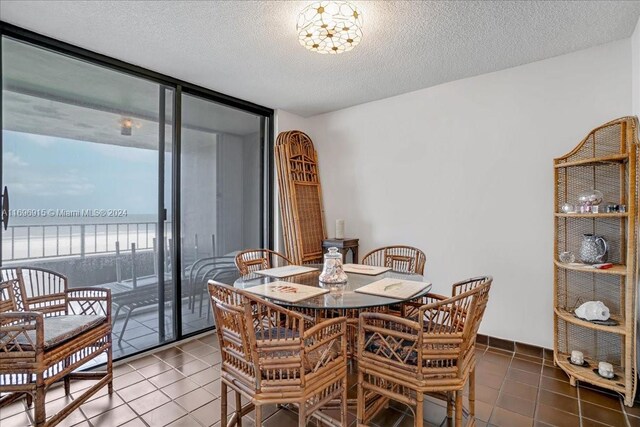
x: 7, y: 296
x: 434, y: 352
x: 252, y: 260
x: 34, y: 356
x: 38, y: 289
x: 234, y: 337
x: 272, y: 355
x: 406, y: 259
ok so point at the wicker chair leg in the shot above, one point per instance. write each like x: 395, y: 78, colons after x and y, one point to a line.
x: 223, y: 404
x: 449, y: 405
x: 110, y: 365
x: 39, y: 410
x: 29, y: 400
x: 419, y: 413
x: 258, y: 415
x: 459, y: 408
x: 239, y: 408
x: 343, y: 404
x: 302, y: 415
x: 472, y: 393
x: 360, y: 402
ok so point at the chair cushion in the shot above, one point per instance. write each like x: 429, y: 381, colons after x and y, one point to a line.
x: 403, y: 351
x: 58, y: 329
x: 275, y: 333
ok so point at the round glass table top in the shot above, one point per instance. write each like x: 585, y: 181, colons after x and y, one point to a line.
x: 342, y: 299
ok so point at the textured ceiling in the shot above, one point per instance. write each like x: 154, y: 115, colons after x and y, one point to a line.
x: 250, y: 49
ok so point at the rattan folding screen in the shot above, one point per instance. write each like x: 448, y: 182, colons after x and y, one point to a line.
x: 605, y: 160
x: 300, y: 197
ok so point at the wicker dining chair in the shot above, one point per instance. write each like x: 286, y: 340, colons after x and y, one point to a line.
x: 252, y: 260
x: 432, y: 353
x: 47, y: 332
x: 271, y: 355
x: 406, y: 259
x: 410, y: 308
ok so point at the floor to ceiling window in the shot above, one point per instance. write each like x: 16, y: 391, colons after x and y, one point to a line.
x: 96, y: 175
x: 220, y: 175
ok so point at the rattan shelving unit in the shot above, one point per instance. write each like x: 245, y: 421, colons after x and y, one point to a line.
x: 607, y: 161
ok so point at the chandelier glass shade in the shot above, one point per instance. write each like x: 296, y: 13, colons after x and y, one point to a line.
x: 330, y: 27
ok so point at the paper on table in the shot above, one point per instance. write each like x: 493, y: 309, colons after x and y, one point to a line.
x: 286, y: 291
x: 286, y: 271
x: 369, y: 270
x: 393, y: 288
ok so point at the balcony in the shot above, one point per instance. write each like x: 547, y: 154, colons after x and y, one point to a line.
x: 123, y: 256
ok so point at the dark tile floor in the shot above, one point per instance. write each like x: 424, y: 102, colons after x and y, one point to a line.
x: 180, y: 386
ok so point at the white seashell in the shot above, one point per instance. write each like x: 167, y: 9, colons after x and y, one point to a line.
x: 593, y: 310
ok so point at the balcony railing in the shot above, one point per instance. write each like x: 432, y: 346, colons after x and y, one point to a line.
x: 22, y: 242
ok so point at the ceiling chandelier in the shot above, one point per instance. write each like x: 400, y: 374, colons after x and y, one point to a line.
x: 330, y: 27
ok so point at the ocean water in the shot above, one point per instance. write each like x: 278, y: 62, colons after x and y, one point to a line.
x: 34, y: 237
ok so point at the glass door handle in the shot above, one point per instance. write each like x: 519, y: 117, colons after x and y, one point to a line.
x: 5, y: 207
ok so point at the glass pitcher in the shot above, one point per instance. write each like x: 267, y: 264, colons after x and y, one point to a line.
x: 594, y: 249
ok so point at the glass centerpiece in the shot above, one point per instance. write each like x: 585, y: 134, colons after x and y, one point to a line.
x: 332, y: 271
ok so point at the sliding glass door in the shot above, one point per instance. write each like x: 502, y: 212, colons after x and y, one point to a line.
x: 122, y: 178
x: 220, y: 189
x: 83, y: 149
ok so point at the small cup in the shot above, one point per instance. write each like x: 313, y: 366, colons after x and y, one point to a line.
x: 577, y: 358
x: 605, y: 369
x: 567, y: 257
x: 611, y: 208
x: 594, y: 209
x: 568, y: 208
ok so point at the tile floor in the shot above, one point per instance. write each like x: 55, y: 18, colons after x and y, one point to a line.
x: 180, y: 386
x: 142, y: 329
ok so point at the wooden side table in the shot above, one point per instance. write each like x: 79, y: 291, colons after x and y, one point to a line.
x: 344, y: 246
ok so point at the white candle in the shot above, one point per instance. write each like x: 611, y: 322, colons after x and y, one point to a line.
x: 339, y: 228
x: 577, y: 357
x: 605, y: 369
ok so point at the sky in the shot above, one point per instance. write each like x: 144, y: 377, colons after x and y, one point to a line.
x: 43, y: 172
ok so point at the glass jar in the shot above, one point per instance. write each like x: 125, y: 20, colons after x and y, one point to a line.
x: 332, y: 271
x: 588, y: 199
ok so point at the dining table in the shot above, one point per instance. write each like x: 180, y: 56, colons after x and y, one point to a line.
x: 344, y: 297
x: 341, y: 300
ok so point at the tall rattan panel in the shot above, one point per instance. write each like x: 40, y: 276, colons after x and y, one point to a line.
x: 300, y: 197
x: 605, y: 160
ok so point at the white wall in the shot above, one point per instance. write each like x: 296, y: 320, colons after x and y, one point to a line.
x: 464, y: 171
